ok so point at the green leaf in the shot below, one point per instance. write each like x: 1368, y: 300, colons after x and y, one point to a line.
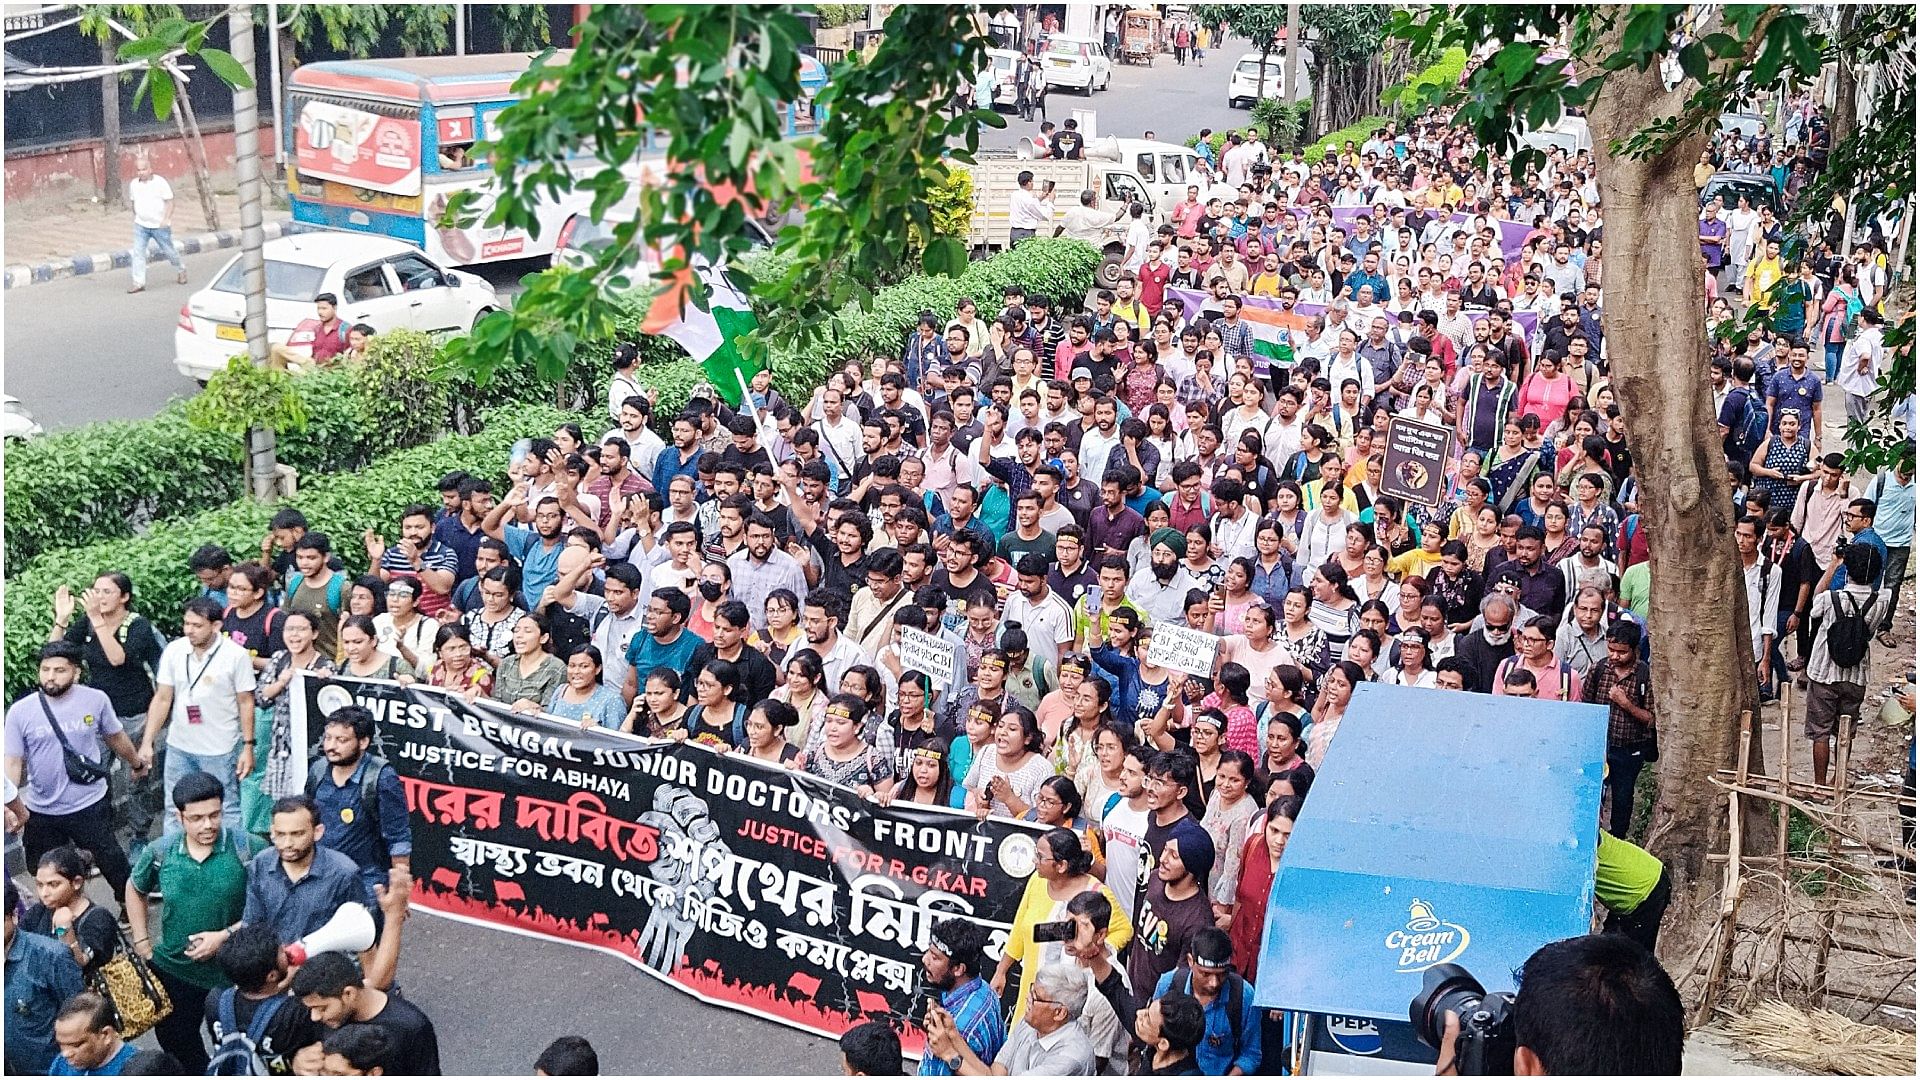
x: 222, y: 64
x: 147, y: 48
x: 162, y: 90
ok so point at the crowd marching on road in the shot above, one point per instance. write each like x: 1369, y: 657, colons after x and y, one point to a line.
x: 1042, y: 483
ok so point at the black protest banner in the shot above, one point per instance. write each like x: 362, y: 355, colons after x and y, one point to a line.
x: 742, y: 883
x: 1415, y: 467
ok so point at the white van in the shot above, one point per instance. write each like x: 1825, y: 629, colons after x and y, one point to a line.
x: 1569, y: 133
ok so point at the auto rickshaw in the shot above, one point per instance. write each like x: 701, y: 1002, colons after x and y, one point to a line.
x: 1140, y: 37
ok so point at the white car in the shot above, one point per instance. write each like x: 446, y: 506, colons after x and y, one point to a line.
x: 1076, y: 63
x: 1243, y: 86
x: 15, y: 421
x: 386, y: 283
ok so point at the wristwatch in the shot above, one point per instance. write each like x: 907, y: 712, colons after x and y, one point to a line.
x: 60, y: 931
x: 955, y: 1062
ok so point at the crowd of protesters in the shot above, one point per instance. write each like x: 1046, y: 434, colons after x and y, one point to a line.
x: 1040, y: 483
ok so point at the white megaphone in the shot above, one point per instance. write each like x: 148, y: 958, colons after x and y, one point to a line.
x: 349, y: 931
x: 1023, y: 150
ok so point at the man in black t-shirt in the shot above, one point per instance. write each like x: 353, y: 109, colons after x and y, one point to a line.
x: 251, y: 958
x: 331, y: 989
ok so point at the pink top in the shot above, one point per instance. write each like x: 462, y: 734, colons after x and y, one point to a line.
x: 1544, y: 398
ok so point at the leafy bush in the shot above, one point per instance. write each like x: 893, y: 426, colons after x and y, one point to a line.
x: 106, y: 480
x: 398, y: 388
x: 342, y: 506
x: 833, y: 16
x: 242, y: 396
x: 1404, y: 100
x: 1285, y: 124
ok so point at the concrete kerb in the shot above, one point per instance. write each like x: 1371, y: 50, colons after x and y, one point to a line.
x: 74, y: 266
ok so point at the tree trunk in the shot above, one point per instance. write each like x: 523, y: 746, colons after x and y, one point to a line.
x: 1846, y: 82
x: 110, y: 190
x: 1703, y: 673
x: 1289, y: 77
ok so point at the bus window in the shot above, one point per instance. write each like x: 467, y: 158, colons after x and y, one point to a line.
x: 369, y: 283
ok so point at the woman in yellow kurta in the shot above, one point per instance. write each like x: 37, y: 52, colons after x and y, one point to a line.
x: 1062, y: 870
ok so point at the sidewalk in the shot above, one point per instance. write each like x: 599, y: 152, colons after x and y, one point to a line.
x: 49, y: 241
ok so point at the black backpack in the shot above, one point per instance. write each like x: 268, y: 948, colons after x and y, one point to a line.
x: 1236, y: 986
x: 1849, y: 636
x: 238, y: 1052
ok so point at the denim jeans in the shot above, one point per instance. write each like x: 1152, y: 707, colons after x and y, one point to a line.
x: 1834, y: 351
x: 220, y: 767
x: 162, y: 236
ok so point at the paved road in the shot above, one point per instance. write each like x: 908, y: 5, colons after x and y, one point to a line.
x: 1170, y: 100
x: 81, y: 349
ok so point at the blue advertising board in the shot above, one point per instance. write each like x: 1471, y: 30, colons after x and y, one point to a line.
x: 1443, y: 827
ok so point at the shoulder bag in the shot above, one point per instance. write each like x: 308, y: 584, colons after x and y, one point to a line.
x: 80, y: 770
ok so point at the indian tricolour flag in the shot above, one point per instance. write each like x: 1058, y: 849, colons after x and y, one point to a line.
x: 1272, y: 335
x: 711, y: 336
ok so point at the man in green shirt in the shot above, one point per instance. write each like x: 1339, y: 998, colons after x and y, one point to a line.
x: 1635, y: 588
x: 1634, y: 887
x: 202, y: 872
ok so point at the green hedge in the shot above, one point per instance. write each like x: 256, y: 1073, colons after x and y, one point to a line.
x: 110, y: 480
x: 106, y: 480
x: 1404, y: 100
x: 342, y: 506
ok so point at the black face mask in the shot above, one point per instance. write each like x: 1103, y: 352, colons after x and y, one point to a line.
x: 710, y: 590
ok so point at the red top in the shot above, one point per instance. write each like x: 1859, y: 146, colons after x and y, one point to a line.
x: 1250, y: 904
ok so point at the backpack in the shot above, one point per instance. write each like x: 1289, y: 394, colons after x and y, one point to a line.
x: 369, y: 788
x: 336, y: 586
x: 1183, y: 978
x: 568, y: 630
x: 238, y: 1051
x: 1849, y: 634
x: 1752, y: 429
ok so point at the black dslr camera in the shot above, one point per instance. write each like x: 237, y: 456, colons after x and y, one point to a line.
x: 1486, y: 1043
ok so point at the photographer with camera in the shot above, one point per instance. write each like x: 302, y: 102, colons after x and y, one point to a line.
x: 1599, y: 1005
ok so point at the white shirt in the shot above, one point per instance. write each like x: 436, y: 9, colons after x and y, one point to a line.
x: 840, y: 442
x: 1763, y: 599
x: 1048, y: 622
x: 1866, y: 344
x: 1026, y: 211
x: 205, y: 721
x: 149, y: 198
x: 1137, y: 238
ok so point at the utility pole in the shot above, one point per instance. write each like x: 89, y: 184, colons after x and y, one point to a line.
x: 459, y: 29
x: 261, y: 461
x: 1289, y: 81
